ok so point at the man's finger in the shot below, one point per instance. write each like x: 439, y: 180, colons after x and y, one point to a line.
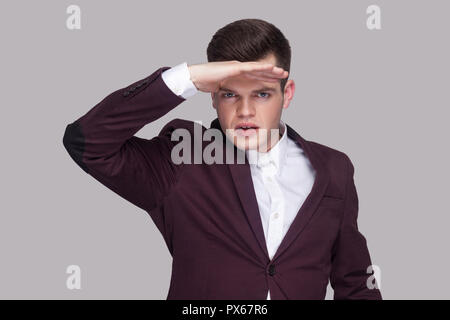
x: 284, y: 74
x: 250, y: 66
x: 255, y: 77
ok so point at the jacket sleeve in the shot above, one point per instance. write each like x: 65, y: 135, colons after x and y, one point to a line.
x: 350, y: 256
x: 103, y: 144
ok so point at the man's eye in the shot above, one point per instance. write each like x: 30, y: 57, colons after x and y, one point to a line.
x: 267, y: 95
x: 225, y: 95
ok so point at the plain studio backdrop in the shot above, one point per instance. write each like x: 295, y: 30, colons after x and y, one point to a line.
x: 380, y: 96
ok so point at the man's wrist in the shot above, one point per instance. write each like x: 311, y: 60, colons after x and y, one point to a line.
x: 178, y: 79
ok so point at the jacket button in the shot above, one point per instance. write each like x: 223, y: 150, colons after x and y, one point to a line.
x: 271, y: 270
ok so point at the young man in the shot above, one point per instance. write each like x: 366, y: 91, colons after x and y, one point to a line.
x: 279, y: 227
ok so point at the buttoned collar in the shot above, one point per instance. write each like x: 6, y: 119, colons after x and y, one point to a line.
x: 274, y: 157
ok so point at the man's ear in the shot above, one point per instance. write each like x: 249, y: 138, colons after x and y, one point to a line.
x: 289, y: 90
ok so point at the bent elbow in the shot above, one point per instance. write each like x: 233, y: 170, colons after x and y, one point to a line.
x: 73, y: 141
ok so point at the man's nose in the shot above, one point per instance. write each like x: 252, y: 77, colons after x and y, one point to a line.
x: 245, y: 109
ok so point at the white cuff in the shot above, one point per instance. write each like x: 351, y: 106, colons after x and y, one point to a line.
x: 178, y: 79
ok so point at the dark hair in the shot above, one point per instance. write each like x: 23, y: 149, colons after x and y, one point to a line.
x: 249, y: 40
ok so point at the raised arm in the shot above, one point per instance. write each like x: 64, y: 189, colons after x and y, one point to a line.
x: 103, y: 144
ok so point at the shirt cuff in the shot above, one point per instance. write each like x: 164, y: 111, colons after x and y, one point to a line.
x: 178, y: 79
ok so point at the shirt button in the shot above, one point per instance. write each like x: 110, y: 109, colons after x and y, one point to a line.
x: 275, y: 216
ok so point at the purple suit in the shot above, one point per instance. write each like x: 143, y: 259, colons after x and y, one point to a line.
x: 208, y: 214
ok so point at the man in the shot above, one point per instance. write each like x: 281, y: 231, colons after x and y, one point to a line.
x: 280, y: 227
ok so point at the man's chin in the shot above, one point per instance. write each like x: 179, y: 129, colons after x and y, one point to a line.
x: 248, y: 143
x: 256, y: 141
x: 246, y: 146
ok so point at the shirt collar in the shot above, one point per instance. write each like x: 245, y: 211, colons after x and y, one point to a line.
x: 276, y: 155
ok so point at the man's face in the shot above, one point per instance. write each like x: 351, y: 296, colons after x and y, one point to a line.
x: 255, y: 103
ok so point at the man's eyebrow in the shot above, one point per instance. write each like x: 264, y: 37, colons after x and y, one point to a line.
x: 257, y: 90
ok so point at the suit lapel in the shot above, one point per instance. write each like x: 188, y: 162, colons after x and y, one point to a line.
x: 243, y: 182
x: 311, y: 202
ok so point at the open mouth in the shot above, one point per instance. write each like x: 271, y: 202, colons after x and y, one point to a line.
x: 246, y: 129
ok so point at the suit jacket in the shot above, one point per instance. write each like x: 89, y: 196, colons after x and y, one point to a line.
x: 208, y: 214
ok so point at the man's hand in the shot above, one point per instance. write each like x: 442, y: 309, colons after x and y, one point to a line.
x: 209, y: 76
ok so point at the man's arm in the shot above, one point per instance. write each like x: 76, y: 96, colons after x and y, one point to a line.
x: 350, y: 257
x: 103, y: 144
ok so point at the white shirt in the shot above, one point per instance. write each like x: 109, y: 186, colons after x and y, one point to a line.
x: 282, y: 177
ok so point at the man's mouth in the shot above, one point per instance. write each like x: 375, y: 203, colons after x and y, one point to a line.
x: 246, y: 129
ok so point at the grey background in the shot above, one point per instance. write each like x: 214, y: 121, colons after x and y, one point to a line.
x: 379, y: 96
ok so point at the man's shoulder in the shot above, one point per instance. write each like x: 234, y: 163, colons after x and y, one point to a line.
x: 338, y: 165
x: 178, y: 123
x: 329, y: 154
